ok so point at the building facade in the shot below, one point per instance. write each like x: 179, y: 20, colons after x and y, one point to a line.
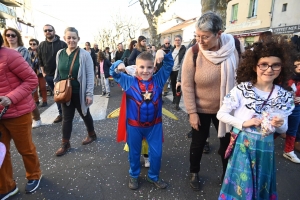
x: 247, y: 19
x: 286, y: 18
x: 17, y: 14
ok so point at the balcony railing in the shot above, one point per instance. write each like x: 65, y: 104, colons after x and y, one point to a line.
x: 7, y: 12
x: 13, y: 3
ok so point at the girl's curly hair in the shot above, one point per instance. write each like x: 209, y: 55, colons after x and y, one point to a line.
x: 275, y: 46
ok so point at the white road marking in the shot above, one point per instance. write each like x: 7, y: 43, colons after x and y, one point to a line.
x: 97, y: 110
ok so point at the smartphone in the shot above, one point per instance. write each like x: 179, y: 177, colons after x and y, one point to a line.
x: 178, y: 89
x: 166, y: 50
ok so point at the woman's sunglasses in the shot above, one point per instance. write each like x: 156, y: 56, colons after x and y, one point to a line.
x: 32, y: 44
x: 11, y: 35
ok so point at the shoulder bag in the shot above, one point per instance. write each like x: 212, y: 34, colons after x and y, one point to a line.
x: 63, y: 88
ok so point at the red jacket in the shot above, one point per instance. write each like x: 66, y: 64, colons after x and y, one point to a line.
x: 17, y: 82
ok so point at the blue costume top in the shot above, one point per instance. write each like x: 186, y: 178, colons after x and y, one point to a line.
x: 144, y: 98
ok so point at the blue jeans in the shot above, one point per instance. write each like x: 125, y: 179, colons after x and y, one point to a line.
x: 49, y: 80
x: 294, y: 123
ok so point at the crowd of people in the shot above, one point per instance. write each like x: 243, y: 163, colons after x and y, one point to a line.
x: 250, y: 96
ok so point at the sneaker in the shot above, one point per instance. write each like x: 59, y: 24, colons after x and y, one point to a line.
x: 108, y: 95
x: 291, y: 156
x: 44, y: 104
x: 206, y: 148
x: 32, y: 185
x: 133, y: 183
x: 159, y: 183
x: 103, y: 93
x: 36, y: 124
x: 58, y: 119
x: 9, y: 194
x: 147, y: 162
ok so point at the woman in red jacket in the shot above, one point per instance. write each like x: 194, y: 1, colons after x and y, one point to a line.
x: 17, y: 81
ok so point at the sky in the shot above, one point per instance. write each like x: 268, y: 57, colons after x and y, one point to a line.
x: 88, y: 16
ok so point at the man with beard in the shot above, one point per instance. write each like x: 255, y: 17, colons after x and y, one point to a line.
x: 47, y: 59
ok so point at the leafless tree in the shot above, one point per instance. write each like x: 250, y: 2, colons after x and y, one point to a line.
x: 153, y: 9
x: 218, y: 6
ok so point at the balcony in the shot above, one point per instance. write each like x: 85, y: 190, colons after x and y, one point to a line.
x: 6, y: 12
x: 12, y: 3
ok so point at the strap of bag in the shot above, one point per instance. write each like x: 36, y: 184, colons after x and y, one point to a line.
x: 195, y: 49
x: 71, y: 68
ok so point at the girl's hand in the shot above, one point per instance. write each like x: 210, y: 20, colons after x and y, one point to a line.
x: 277, y: 122
x: 195, y: 121
x: 251, y: 122
x: 88, y: 100
x: 297, y: 100
x: 178, y: 84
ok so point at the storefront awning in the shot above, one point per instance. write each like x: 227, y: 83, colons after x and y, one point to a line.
x: 286, y: 29
x: 248, y: 33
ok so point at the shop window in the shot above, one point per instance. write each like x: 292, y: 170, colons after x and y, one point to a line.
x: 252, y: 8
x: 234, y: 13
x: 249, y: 41
x: 284, y: 7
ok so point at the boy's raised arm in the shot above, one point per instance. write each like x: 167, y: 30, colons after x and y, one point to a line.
x: 163, y: 74
x: 117, y: 72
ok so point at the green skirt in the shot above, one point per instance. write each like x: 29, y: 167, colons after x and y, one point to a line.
x: 250, y: 171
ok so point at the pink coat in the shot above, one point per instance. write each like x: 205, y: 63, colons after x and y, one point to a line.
x: 17, y: 82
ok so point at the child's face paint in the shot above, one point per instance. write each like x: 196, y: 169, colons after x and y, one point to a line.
x: 144, y: 69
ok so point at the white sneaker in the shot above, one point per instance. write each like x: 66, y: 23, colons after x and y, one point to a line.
x: 36, y: 124
x: 147, y: 162
x: 291, y: 156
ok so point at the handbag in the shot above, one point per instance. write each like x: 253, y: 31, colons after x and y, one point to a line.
x: 63, y: 88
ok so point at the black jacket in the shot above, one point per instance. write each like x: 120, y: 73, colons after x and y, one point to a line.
x: 132, y: 57
x: 118, y: 55
x: 106, y: 67
x: 47, y: 54
x: 93, y: 55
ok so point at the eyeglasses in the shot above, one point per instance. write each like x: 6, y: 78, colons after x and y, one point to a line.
x: 265, y: 66
x: 32, y: 44
x: 11, y: 35
x: 167, y: 43
x: 48, y: 30
x: 204, y: 37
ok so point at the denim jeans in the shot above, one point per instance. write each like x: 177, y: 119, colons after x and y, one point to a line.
x: 294, y: 123
x: 49, y: 80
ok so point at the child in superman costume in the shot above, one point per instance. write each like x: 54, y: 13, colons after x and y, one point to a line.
x: 144, y: 112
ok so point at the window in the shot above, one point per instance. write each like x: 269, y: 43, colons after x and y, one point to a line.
x: 234, y: 12
x: 249, y: 41
x: 284, y: 7
x: 253, y: 8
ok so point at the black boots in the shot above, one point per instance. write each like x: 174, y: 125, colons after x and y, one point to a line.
x: 194, y: 181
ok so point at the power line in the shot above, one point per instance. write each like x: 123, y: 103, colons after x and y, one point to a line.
x: 132, y: 3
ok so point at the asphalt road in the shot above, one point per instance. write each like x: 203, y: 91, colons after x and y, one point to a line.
x: 100, y: 170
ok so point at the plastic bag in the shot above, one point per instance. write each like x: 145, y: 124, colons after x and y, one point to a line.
x: 267, y: 116
x: 2, y: 153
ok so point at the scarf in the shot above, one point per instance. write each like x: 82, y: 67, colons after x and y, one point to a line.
x: 229, y: 62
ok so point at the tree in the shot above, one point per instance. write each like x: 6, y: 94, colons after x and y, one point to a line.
x: 153, y: 9
x: 218, y: 6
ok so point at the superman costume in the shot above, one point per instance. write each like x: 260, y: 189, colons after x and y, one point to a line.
x: 144, y: 115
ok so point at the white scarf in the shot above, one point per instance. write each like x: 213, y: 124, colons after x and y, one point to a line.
x: 226, y: 56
